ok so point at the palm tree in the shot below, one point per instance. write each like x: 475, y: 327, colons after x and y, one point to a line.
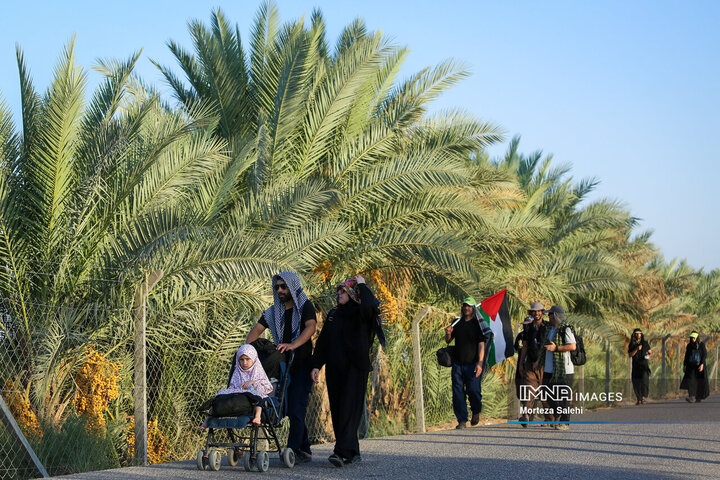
x: 297, y: 113
x: 95, y: 195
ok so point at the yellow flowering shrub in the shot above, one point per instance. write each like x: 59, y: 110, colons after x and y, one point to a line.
x: 98, y: 385
x: 388, y: 302
x: 324, y: 269
x: 18, y: 401
x: 157, y: 449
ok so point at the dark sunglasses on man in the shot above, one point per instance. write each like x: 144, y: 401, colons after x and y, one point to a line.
x: 280, y: 286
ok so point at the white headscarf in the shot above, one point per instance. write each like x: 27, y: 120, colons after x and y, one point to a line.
x: 256, y: 374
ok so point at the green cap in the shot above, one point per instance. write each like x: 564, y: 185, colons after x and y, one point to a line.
x: 469, y: 301
x: 693, y: 335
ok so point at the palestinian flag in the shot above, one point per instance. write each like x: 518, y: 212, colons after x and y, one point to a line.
x: 494, y: 311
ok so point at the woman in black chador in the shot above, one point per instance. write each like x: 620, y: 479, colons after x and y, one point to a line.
x: 344, y: 348
x: 639, y: 351
x: 695, y: 380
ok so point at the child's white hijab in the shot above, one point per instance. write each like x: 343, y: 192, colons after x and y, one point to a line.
x: 261, y: 385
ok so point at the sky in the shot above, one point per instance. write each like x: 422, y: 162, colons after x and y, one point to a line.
x: 626, y: 92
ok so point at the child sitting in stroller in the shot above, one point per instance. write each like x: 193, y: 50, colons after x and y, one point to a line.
x: 250, y: 400
x: 248, y: 380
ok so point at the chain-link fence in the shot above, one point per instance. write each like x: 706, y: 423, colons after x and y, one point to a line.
x: 68, y: 384
x: 65, y: 397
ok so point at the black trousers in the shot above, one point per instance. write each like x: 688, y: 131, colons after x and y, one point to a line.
x: 561, y: 405
x: 346, y: 386
x: 641, y: 383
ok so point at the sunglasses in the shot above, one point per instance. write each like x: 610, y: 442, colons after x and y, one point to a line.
x: 280, y: 286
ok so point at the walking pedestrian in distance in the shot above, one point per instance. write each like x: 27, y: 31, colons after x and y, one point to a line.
x: 639, y: 351
x: 695, y: 380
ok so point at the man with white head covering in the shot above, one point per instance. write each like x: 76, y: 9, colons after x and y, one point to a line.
x: 292, y: 322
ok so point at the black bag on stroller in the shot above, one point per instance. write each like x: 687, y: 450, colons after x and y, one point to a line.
x: 231, y: 404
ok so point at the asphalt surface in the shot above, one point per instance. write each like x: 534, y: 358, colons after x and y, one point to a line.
x: 688, y: 448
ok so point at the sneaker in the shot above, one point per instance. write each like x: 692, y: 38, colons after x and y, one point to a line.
x: 336, y: 460
x: 690, y: 399
x: 460, y: 426
x: 302, y: 457
x: 475, y: 419
x: 643, y: 401
x: 562, y: 426
x: 523, y: 419
x: 637, y: 402
x: 356, y: 459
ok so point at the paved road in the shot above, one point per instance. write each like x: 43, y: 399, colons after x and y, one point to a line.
x: 596, y: 451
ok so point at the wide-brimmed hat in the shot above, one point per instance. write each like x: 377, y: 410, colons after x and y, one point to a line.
x: 534, y: 306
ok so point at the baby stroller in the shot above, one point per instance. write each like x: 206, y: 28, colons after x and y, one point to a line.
x: 243, y: 435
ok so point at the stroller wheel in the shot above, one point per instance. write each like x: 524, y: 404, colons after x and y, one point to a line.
x: 202, y: 461
x: 288, y: 457
x: 234, y: 456
x: 263, y: 461
x: 214, y: 459
x: 247, y: 462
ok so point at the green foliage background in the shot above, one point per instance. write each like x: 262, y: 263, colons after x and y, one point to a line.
x: 288, y: 152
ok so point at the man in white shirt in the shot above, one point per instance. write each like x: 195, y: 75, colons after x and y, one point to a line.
x: 559, y: 369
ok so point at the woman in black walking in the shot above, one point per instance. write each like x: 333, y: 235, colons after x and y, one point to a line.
x: 343, y: 347
x: 695, y: 380
x: 639, y: 351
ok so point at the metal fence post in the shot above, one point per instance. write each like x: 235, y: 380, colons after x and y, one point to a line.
x: 140, y: 365
x: 664, y: 364
x: 581, y: 383
x: 607, y: 372
x: 716, y: 364
x: 516, y: 401
x: 15, y: 432
x: 417, y: 363
x: 628, y: 382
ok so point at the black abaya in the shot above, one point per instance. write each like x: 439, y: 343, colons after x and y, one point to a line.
x: 344, y: 348
x: 695, y: 381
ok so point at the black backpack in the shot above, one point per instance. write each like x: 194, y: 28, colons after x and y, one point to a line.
x: 694, y: 358
x: 577, y: 356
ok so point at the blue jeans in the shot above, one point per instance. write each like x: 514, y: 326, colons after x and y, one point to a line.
x: 465, y: 383
x: 298, y: 396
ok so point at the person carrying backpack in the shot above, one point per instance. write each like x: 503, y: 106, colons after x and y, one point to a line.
x: 529, y: 370
x: 695, y: 380
x: 559, y: 368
